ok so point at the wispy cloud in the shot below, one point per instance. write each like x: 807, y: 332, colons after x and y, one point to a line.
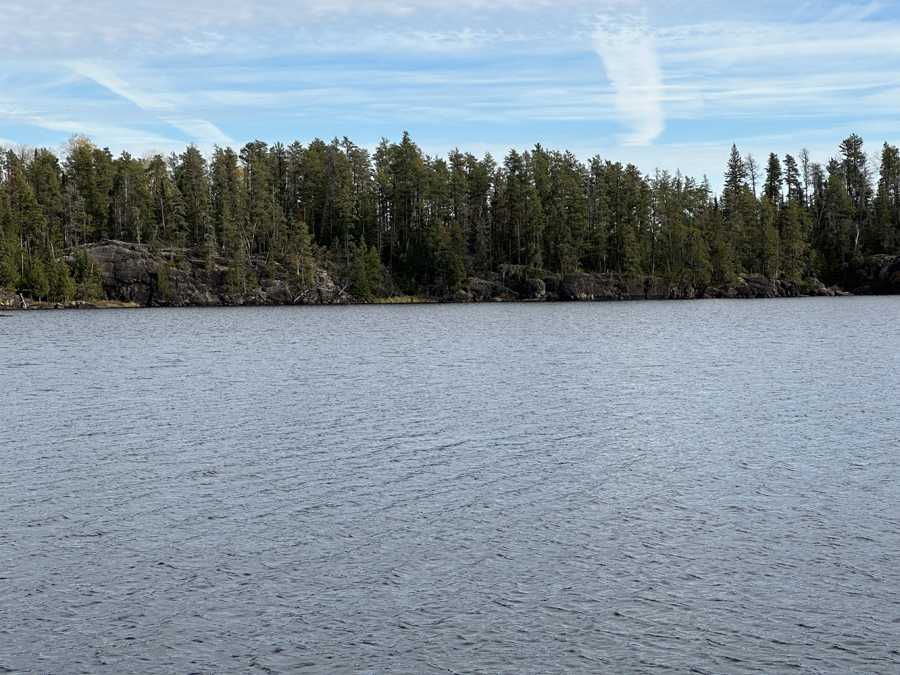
x: 161, y: 104
x: 108, y: 78
x: 202, y: 131
x: 477, y: 74
x: 632, y: 66
x: 781, y: 69
x: 136, y: 141
x: 50, y: 26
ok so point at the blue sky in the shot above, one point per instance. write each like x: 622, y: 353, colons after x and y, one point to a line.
x: 661, y: 84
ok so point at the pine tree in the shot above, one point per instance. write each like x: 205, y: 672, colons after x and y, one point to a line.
x: 63, y: 286
x: 132, y: 206
x: 27, y: 220
x: 793, y: 224
x: 792, y: 179
x: 192, y: 181
x: 857, y: 180
x: 10, y: 252
x: 768, y: 249
x: 886, y: 235
x: 168, y: 227
x: 836, y: 232
x: 772, y: 188
x: 228, y: 203
x: 88, y: 280
x: 735, y: 179
x: 35, y: 280
x: 45, y: 175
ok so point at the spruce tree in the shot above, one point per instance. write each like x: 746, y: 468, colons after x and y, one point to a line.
x: 35, y: 280
x: 772, y: 188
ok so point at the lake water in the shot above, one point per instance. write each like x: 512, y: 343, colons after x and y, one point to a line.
x: 672, y: 487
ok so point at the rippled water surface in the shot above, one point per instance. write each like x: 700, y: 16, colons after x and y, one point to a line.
x: 707, y: 486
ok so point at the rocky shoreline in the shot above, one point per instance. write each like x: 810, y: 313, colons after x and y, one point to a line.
x: 133, y: 275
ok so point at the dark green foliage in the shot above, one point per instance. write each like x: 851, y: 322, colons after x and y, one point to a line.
x: 365, y: 271
x: 772, y: 188
x: 263, y: 225
x: 792, y: 179
x: 35, y: 281
x: 228, y: 202
x: 401, y: 220
x: 10, y: 261
x: 26, y: 220
x: 735, y: 178
x: 192, y: 181
x: 794, y: 228
x: 168, y: 209
x: 162, y: 282
x: 449, y: 251
x: 88, y: 179
x: 885, y: 233
x: 86, y: 273
x: 62, y: 285
x: 301, y: 257
x: 45, y: 176
x: 132, y: 206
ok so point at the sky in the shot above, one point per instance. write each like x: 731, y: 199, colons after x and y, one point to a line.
x: 669, y: 85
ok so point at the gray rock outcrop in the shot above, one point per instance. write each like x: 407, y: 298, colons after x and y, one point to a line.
x: 169, y: 278
x: 534, y: 289
x: 881, y: 275
x: 10, y: 300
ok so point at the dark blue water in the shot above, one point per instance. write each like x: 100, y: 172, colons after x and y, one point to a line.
x: 671, y: 487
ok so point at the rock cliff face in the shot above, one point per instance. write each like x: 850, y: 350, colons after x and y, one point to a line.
x: 10, y: 300
x: 172, y: 278
x: 881, y: 275
x: 133, y: 273
x: 615, y: 287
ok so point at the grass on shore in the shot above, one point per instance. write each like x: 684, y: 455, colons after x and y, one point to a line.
x: 403, y: 300
x: 86, y: 304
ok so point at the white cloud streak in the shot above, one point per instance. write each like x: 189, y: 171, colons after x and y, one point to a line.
x: 134, y: 140
x: 106, y: 77
x: 632, y: 66
x: 78, y: 26
x: 160, y: 104
x: 202, y: 131
x: 475, y: 72
x: 727, y: 70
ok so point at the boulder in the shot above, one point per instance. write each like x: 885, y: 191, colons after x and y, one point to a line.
x: 586, y: 287
x: 756, y: 286
x: 483, y: 290
x: 328, y: 292
x: 884, y: 274
x: 175, y: 278
x: 458, y: 296
x: 630, y: 290
x: 534, y: 289
x: 10, y: 300
x: 683, y: 290
x: 787, y: 288
x: 657, y: 289
x: 816, y: 287
x: 480, y: 289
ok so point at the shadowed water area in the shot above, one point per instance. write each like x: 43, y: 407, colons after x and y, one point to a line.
x: 707, y: 486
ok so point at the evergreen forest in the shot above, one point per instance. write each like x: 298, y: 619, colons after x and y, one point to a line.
x: 397, y: 221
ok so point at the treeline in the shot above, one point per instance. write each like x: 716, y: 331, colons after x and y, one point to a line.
x: 397, y: 220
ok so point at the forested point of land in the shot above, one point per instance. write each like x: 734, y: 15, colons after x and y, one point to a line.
x: 398, y: 221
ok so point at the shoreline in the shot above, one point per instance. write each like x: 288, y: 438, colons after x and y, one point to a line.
x: 124, y: 275
x: 33, y: 305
